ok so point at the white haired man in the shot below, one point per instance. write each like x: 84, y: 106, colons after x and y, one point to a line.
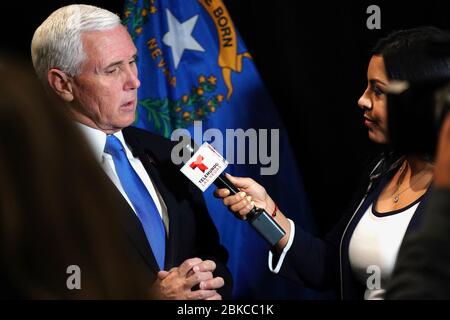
x: 87, y: 58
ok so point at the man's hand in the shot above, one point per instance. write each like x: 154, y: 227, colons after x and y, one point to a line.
x: 178, y: 283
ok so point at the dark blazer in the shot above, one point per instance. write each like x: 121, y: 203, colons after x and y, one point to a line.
x: 192, y: 232
x: 323, y: 264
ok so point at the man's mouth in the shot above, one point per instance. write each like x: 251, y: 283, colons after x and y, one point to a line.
x: 128, y: 105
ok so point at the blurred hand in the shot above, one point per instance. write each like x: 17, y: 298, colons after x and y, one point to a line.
x: 178, y: 283
x: 252, y: 194
x: 442, y: 166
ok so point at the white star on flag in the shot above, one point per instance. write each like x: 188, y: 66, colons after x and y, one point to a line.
x: 179, y: 37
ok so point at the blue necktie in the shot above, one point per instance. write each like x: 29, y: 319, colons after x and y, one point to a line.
x: 140, y: 198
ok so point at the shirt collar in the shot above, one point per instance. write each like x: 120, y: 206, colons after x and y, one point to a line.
x: 97, y: 140
x: 119, y: 135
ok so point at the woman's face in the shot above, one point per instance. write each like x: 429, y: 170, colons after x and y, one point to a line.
x: 374, y: 101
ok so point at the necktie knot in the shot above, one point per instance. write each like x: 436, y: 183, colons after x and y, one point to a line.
x: 113, y: 145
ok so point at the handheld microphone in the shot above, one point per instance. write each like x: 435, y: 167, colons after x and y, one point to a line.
x: 258, y: 218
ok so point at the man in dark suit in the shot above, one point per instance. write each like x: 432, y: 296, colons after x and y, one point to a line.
x: 87, y: 58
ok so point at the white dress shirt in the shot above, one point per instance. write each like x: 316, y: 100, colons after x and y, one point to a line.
x: 97, y: 141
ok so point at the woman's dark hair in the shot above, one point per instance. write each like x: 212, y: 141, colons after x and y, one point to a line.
x: 416, y: 55
x: 420, y: 56
x: 57, y: 207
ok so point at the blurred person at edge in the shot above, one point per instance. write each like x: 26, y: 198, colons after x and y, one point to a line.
x: 423, y: 263
x: 57, y: 207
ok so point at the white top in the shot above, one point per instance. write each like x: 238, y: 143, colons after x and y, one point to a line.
x: 374, y: 247
x: 97, y: 141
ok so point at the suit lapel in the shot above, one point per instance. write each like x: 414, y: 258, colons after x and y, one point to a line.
x: 136, y: 234
x: 152, y: 170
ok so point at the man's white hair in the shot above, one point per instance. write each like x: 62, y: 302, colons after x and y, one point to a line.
x: 57, y: 41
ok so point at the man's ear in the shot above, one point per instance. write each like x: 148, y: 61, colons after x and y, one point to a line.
x: 60, y: 82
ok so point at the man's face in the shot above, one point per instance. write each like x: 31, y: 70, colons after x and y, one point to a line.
x: 105, y: 91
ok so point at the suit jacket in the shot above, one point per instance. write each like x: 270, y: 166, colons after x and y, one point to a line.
x: 192, y: 232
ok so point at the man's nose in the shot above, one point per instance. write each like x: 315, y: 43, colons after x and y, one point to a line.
x: 132, y: 82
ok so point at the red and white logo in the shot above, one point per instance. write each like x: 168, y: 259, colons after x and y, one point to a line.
x: 199, y: 164
x: 204, y: 167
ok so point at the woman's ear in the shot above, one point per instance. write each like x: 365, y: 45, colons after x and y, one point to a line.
x: 60, y: 82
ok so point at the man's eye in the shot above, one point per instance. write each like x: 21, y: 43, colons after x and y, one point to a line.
x: 133, y: 62
x: 111, y: 71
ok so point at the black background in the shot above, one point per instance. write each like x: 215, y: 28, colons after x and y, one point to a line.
x: 312, y: 56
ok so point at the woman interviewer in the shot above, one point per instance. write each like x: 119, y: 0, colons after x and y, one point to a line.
x: 388, y: 205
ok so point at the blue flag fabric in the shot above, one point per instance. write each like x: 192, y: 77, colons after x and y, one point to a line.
x: 194, y: 66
